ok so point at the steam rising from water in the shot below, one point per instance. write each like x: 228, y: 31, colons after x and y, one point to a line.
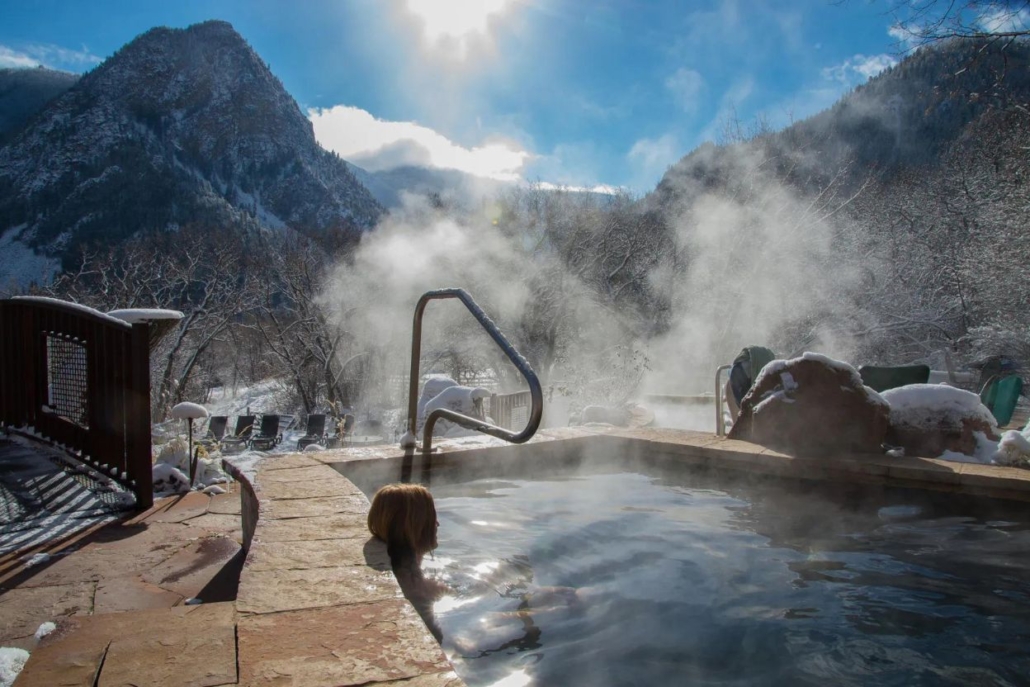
x: 750, y: 263
x: 761, y: 269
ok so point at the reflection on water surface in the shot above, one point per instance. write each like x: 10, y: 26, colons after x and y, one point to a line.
x: 625, y: 579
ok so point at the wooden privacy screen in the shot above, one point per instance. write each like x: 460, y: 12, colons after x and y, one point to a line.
x: 81, y: 379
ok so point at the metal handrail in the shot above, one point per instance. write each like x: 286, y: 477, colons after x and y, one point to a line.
x: 720, y: 422
x: 466, y: 421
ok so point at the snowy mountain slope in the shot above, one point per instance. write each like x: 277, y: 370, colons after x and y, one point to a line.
x: 24, y: 92
x: 180, y: 126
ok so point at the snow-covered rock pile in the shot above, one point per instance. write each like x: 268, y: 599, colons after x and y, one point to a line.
x: 935, y: 420
x: 812, y: 405
x: 1014, y: 448
x: 441, y: 391
x: 172, y: 468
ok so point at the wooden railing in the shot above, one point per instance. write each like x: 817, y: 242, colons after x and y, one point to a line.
x: 82, y: 380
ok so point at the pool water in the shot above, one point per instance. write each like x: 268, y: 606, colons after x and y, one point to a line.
x: 626, y: 579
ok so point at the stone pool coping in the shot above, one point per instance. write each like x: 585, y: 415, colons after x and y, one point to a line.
x: 318, y: 604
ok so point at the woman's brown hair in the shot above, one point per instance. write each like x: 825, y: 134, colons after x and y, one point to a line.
x: 404, y: 515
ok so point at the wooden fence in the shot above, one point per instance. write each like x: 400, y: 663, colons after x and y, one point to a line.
x: 82, y: 380
x: 510, y: 411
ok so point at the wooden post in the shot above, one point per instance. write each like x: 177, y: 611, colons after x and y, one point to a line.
x: 137, y: 423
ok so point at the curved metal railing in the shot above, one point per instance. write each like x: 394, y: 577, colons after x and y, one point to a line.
x: 466, y: 421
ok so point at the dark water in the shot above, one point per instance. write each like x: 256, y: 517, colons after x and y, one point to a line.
x: 624, y: 579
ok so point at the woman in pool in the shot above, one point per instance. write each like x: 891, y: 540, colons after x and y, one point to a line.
x: 404, y: 516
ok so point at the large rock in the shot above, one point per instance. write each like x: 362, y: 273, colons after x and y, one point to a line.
x: 461, y: 399
x: 812, y: 405
x: 931, y: 419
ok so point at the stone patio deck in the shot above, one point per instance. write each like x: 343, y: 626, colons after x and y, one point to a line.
x: 317, y: 604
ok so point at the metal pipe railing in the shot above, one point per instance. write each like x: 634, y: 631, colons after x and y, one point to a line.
x: 466, y: 421
x: 720, y: 422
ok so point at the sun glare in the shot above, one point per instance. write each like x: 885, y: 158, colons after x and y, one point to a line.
x: 455, y: 20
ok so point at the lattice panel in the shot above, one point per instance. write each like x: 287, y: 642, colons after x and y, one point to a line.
x: 67, y: 379
x: 519, y: 417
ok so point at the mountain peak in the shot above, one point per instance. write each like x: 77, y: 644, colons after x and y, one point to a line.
x: 178, y: 126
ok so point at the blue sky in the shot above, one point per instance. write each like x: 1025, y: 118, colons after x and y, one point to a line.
x: 574, y: 92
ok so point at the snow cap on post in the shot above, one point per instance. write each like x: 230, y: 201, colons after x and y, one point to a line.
x: 189, y: 411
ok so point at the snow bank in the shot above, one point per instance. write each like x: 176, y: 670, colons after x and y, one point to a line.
x: 11, y: 662
x: 1014, y: 448
x: 35, y: 559
x: 928, y: 406
x: 169, y: 480
x: 188, y: 411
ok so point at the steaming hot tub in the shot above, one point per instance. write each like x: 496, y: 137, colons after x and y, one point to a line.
x: 625, y: 575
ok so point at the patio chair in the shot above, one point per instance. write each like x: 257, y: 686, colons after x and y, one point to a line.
x: 268, y: 436
x: 743, y: 373
x: 315, y: 432
x: 241, y: 437
x: 215, y: 431
x: 1000, y: 395
x: 884, y: 378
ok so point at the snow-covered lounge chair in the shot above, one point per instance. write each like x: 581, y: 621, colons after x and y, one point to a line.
x: 883, y: 378
x: 268, y: 436
x: 241, y: 437
x: 215, y: 431
x: 315, y: 433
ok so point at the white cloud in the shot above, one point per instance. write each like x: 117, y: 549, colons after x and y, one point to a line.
x: 650, y: 157
x: 1001, y: 19
x: 47, y: 55
x: 377, y: 144
x: 858, y: 69
x: 12, y: 59
x: 686, y: 86
x: 906, y: 36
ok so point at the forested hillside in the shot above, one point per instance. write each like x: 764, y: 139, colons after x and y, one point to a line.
x: 887, y: 229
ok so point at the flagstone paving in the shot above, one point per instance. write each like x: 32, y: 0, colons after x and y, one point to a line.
x: 175, y: 551
x: 315, y: 603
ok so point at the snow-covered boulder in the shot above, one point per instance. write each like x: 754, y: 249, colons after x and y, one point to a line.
x: 1014, y: 448
x: 812, y: 405
x: 435, y: 383
x: 462, y: 399
x: 175, y: 453
x: 931, y: 420
x: 169, y: 480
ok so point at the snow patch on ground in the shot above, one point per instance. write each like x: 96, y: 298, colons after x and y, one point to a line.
x: 1014, y: 448
x: 35, y: 559
x: 11, y: 662
x: 259, y: 398
x: 45, y: 629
